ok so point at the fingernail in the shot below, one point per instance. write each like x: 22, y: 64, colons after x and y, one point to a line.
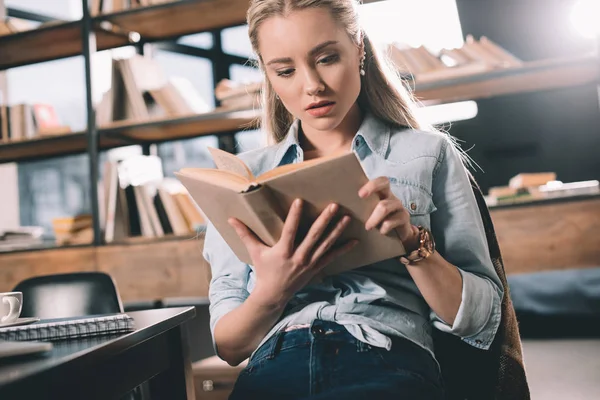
x: 297, y: 202
x: 333, y: 207
x: 361, y: 193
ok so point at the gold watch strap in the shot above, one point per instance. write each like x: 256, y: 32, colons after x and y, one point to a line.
x: 426, y: 248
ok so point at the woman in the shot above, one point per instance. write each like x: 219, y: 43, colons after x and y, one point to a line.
x: 367, y: 332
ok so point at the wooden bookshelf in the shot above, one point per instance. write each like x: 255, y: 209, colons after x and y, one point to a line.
x: 177, y: 18
x: 51, y: 42
x: 160, y: 130
x: 126, y: 133
x: 533, y: 76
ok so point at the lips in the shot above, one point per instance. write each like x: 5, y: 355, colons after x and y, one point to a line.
x: 319, y: 104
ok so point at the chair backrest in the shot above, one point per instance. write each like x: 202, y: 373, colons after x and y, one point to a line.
x: 497, y: 373
x: 69, y: 295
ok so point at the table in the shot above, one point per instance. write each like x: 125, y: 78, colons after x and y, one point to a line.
x: 106, y: 367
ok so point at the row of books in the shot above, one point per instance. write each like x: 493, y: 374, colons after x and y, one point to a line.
x: 111, y: 6
x: 139, y: 201
x: 475, y: 56
x: 140, y: 90
x: 27, y: 121
x: 533, y: 186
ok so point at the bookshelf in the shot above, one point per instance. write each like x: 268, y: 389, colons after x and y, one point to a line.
x: 531, y: 77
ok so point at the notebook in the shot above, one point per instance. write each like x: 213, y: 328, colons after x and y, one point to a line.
x: 68, y: 328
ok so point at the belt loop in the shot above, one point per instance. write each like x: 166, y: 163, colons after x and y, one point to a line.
x: 274, y: 344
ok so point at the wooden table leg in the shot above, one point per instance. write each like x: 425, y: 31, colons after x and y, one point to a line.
x: 177, y: 382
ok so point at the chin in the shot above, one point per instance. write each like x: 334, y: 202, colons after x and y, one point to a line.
x: 327, y: 123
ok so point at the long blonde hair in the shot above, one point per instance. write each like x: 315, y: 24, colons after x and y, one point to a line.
x: 382, y: 90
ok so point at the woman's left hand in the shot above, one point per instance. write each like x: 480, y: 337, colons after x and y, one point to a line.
x: 389, y: 213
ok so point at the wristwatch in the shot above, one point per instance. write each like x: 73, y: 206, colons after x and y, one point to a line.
x: 425, y: 249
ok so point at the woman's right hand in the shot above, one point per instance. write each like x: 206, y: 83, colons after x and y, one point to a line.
x: 285, y: 268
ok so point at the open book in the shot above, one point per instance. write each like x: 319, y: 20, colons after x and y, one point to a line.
x: 262, y: 203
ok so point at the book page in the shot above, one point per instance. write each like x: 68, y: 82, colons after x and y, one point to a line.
x: 287, y: 168
x: 231, y: 163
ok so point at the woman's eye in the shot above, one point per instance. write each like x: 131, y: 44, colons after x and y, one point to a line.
x: 329, y: 59
x: 285, y: 73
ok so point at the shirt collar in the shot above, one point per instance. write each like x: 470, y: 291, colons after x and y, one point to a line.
x: 375, y: 133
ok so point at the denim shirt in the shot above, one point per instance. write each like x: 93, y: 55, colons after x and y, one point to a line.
x: 381, y: 300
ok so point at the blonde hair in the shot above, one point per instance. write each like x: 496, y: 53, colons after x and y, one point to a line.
x: 382, y: 91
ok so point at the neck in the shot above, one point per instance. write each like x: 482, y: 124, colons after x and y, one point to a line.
x: 323, y: 143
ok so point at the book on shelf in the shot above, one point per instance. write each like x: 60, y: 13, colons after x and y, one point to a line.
x: 140, y: 90
x: 137, y: 200
x: 238, y: 95
x: 28, y: 121
x: 262, y: 203
x: 70, y: 328
x: 473, y: 57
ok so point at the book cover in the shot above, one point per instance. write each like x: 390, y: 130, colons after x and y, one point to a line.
x: 263, y: 202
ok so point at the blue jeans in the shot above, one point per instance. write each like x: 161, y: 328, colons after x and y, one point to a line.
x: 326, y: 362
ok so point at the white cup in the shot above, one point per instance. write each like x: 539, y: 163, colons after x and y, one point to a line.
x: 10, y: 306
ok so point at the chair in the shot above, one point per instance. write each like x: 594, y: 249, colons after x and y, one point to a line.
x: 69, y: 295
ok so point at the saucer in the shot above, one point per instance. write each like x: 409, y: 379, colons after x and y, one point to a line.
x: 19, y: 321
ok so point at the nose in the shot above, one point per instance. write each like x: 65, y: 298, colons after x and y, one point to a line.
x: 313, y: 82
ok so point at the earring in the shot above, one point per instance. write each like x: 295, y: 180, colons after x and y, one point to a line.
x: 362, y: 64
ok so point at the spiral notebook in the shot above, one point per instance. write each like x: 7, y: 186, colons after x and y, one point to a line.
x: 69, y: 328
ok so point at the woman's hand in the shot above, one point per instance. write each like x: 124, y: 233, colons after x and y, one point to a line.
x: 389, y: 213
x: 285, y: 268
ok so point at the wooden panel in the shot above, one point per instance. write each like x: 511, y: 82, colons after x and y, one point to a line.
x: 185, y: 127
x: 542, y: 75
x: 549, y: 237
x: 182, y: 17
x: 150, y: 271
x: 15, y: 267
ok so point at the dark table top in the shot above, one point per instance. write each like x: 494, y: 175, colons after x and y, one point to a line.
x: 79, y: 353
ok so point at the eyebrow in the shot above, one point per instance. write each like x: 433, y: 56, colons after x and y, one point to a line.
x: 311, y: 53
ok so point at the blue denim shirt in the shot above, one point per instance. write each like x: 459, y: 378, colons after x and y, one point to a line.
x: 381, y: 300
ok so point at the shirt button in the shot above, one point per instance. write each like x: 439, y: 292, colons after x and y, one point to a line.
x: 357, y: 142
x: 413, y: 206
x: 478, y: 341
x: 317, y: 330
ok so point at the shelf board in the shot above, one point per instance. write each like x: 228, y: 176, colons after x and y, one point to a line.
x: 127, y: 133
x: 51, y: 42
x: 161, y: 130
x: 177, y: 18
x: 533, y: 76
x: 51, y: 146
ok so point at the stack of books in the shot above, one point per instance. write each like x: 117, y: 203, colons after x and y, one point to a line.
x: 474, y: 57
x: 238, y: 96
x: 526, y: 187
x: 28, y: 121
x: 137, y: 200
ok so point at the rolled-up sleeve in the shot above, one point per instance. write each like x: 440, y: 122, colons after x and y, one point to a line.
x: 229, y: 282
x: 461, y: 240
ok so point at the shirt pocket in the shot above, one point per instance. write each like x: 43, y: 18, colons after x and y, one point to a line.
x: 416, y: 200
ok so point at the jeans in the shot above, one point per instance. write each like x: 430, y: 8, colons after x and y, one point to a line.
x: 326, y: 362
